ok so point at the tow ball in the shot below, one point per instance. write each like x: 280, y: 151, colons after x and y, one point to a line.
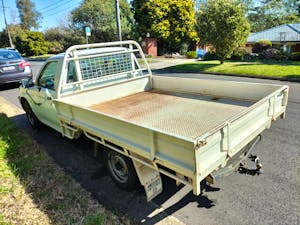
x: 245, y: 169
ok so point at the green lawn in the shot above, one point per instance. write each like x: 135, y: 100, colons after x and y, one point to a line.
x: 261, y: 68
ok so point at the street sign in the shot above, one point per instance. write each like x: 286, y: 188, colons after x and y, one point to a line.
x: 87, y: 31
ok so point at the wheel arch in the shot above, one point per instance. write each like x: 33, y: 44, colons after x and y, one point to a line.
x: 22, y: 101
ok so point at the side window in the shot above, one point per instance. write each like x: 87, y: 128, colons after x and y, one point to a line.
x: 47, y: 77
x: 71, y: 76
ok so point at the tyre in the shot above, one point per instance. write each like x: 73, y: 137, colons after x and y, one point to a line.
x: 32, y: 119
x: 121, y: 169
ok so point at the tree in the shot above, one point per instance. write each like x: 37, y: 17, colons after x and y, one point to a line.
x: 29, y: 16
x: 14, y: 30
x: 3, y: 39
x: 62, y: 37
x: 100, y: 16
x: 170, y: 21
x: 31, y: 43
x: 264, y: 14
x: 222, y: 24
x: 55, y: 38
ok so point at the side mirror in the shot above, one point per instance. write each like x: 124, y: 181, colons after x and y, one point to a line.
x: 27, y: 82
x: 49, y: 84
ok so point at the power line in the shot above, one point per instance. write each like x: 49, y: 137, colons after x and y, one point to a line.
x: 58, y: 12
x: 57, y: 6
x: 49, y: 5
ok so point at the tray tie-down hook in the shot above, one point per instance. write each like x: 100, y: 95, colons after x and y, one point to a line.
x: 245, y: 169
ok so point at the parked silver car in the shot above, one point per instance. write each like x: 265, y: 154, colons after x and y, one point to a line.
x: 13, y: 67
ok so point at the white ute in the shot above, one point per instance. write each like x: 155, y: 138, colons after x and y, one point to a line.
x: 181, y: 127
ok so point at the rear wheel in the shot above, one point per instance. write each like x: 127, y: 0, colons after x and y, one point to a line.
x: 32, y: 119
x: 121, y: 169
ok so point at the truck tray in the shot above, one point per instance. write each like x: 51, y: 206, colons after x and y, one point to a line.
x: 192, y: 127
x: 180, y: 114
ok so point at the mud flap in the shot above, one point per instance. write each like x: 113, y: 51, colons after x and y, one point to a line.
x: 150, y: 179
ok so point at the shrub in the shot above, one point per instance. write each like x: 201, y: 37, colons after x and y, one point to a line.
x: 272, y: 53
x: 211, y: 55
x: 251, y: 56
x: 261, y: 45
x: 191, y: 54
x: 184, y: 48
x: 238, y: 54
x: 55, y: 47
x: 149, y: 56
x: 32, y: 43
x: 295, y: 56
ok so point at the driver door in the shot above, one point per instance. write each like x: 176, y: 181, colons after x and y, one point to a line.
x: 43, y: 93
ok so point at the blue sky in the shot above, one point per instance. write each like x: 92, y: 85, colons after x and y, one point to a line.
x: 53, y: 11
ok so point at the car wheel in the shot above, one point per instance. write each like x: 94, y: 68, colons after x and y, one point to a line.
x: 121, y: 169
x: 32, y: 119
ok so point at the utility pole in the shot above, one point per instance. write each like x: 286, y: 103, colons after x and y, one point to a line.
x: 117, y: 5
x: 7, y: 29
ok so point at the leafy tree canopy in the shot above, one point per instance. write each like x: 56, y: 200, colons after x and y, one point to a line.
x: 264, y: 14
x: 100, y: 16
x: 14, y: 30
x: 29, y: 16
x: 60, y: 38
x: 31, y: 43
x: 172, y: 21
x: 222, y: 24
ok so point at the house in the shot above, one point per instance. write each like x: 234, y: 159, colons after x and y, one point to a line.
x: 286, y: 36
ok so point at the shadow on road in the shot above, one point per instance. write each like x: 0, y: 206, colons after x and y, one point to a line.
x: 170, y: 190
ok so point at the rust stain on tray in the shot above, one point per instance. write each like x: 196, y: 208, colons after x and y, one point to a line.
x: 133, y: 106
x: 179, y: 114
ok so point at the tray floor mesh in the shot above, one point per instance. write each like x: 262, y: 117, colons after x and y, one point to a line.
x: 184, y: 115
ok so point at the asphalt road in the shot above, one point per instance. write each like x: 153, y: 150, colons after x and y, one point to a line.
x: 271, y: 198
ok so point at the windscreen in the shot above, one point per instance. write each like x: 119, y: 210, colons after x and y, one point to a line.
x: 9, y: 55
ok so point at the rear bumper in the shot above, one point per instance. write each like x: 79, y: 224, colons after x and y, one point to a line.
x: 16, y: 77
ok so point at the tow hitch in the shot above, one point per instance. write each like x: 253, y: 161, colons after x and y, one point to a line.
x: 245, y: 169
x: 236, y: 163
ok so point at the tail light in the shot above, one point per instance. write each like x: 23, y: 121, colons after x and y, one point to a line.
x: 23, y: 64
x: 25, y: 67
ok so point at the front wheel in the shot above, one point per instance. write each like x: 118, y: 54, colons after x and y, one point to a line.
x: 32, y: 119
x: 121, y: 169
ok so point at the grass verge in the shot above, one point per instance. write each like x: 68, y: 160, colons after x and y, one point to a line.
x: 286, y: 69
x: 34, y: 190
